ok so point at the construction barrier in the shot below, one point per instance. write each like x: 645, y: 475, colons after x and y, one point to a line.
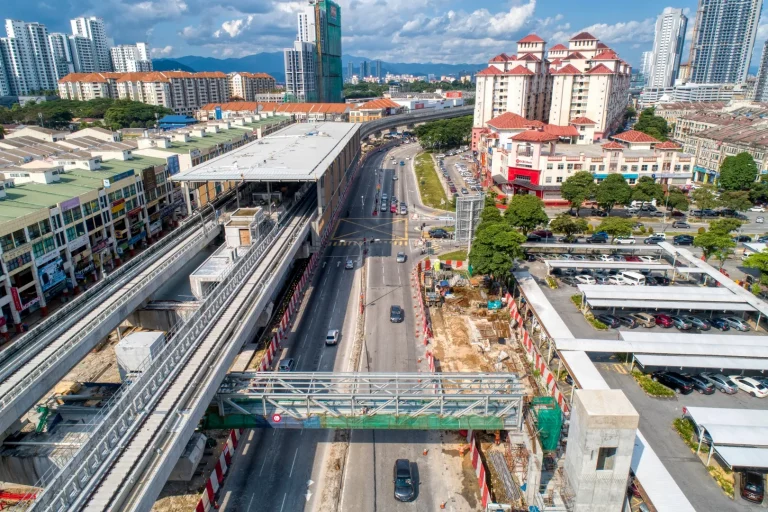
x: 214, y: 482
x: 480, y: 470
x: 454, y: 263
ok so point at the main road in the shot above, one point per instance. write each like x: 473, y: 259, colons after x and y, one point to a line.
x: 288, y: 470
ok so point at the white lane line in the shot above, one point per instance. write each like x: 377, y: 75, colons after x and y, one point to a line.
x: 281, y: 506
x: 335, y: 301
x: 319, y: 364
x: 294, y: 462
x: 250, y: 502
x: 297, y: 361
x: 262, y: 465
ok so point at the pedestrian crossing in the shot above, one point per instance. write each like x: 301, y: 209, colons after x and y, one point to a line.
x: 399, y: 243
x: 621, y: 368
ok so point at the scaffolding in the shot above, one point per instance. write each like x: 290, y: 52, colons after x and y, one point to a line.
x: 468, y: 209
x: 549, y: 421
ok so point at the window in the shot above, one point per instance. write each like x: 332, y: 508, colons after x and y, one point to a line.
x: 643, y: 167
x: 654, y: 168
x: 686, y: 168
x: 6, y: 242
x: 548, y: 179
x: 606, y: 459
x: 33, y: 231
x: 570, y: 167
x: 631, y: 181
x: 45, y: 226
x: 634, y: 168
x: 549, y: 167
x: 581, y: 137
x: 43, y: 247
x: 677, y: 168
x: 623, y: 168
x: 593, y: 168
x: 601, y: 168
x: 72, y: 215
x: 60, y: 240
x: 560, y: 167
x: 559, y: 179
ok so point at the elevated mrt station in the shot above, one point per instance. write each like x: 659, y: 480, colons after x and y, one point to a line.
x: 279, y: 170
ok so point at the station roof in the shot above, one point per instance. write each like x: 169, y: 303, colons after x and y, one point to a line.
x: 715, y: 363
x: 549, y: 317
x: 661, y: 346
x: 619, y: 265
x: 300, y: 152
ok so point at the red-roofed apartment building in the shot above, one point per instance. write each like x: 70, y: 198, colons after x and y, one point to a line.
x: 585, y: 79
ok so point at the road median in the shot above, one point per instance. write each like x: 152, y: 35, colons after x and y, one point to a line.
x: 431, y: 189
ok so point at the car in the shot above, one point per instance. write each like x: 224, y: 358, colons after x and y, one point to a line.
x: 405, y: 488
x: 675, y: 381
x: 708, y: 212
x: 617, y: 280
x: 757, y: 209
x: 683, y: 240
x: 586, y: 279
x: 656, y: 214
x: 438, y: 233
x: 349, y: 265
x: 742, y: 238
x: 602, y: 280
x: 678, y: 214
x: 543, y: 233
x: 654, y: 240
x: 570, y: 281
x: 286, y: 365
x: 660, y: 280
x: 663, y: 320
x: 599, y: 213
x: 533, y: 238
x: 721, y: 382
x: 632, y: 259
x: 609, y: 320
x: 750, y: 386
x: 403, y: 209
x: 628, y: 321
x: 396, y: 314
x: 571, y: 239
x: 597, y: 239
x: 401, y: 257
x: 464, y: 191
x: 752, y: 486
x: 625, y: 240
x: 736, y: 323
x: 383, y: 206
x: 394, y: 177
x: 702, y: 385
x: 644, y: 319
x: 680, y: 225
x: 720, y: 323
x: 760, y: 220
x: 332, y: 337
x: 763, y: 239
x: 697, y: 322
x: 648, y: 259
x: 680, y: 323
x: 696, y: 213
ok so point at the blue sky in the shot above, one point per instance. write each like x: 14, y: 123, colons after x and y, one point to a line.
x: 449, y: 31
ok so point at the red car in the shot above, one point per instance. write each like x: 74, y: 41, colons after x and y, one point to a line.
x: 543, y: 233
x: 393, y: 208
x: 664, y: 320
x: 632, y: 259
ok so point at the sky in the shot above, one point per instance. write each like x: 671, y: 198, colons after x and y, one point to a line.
x: 445, y: 31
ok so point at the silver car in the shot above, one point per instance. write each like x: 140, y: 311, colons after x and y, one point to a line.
x: 736, y: 323
x: 721, y: 382
x: 401, y: 257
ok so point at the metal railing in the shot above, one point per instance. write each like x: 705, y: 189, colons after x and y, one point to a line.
x: 398, y: 120
x: 114, y: 426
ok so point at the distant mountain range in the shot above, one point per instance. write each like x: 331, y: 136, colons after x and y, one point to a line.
x: 272, y: 63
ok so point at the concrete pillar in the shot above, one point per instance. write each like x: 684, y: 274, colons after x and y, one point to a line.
x: 185, y: 190
x: 601, y: 440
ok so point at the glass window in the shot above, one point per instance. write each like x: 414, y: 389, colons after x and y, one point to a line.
x: 593, y: 168
x: 6, y: 242
x: 33, y: 231
x: 43, y: 247
x: 559, y: 179
x: 654, y: 168
x: 634, y: 168
x: 631, y: 181
x: 623, y: 168
x: 68, y: 217
x: 677, y: 168
x: 602, y: 168
x: 570, y: 167
x: 71, y: 233
x: 643, y: 167
x: 560, y: 167
x: 549, y: 167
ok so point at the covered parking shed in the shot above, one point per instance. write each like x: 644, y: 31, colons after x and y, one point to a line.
x: 606, y: 265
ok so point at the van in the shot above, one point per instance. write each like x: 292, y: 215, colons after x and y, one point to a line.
x: 633, y: 278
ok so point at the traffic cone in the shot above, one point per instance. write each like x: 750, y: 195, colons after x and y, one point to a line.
x: 425, y: 451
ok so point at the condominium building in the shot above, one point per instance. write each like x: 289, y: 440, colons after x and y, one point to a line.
x: 88, y: 86
x: 26, y: 54
x: 723, y: 38
x: 761, y: 87
x: 92, y: 28
x: 647, y: 65
x: 689, y: 92
x: 301, y: 71
x: 131, y: 58
x: 248, y: 85
x: 83, y: 56
x: 365, y: 69
x: 667, y: 48
x: 377, y: 70
x: 61, y: 54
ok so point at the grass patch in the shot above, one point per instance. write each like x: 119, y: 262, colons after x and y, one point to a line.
x: 454, y: 255
x: 432, y: 191
x: 576, y: 299
x: 652, y: 388
x: 597, y: 324
x: 723, y: 477
x: 552, y: 282
x: 684, y: 427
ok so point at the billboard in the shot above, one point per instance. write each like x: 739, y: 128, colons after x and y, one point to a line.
x: 418, y: 106
x: 173, y: 164
x: 51, y: 274
x: 454, y: 94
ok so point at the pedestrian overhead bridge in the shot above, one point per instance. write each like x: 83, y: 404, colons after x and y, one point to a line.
x: 439, y: 401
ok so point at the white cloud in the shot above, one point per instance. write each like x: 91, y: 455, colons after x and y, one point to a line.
x: 235, y: 27
x: 624, y: 32
x: 162, y: 52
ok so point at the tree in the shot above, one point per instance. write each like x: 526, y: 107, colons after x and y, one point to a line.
x: 567, y: 225
x: 651, y: 124
x: 444, y: 132
x: 616, y: 226
x: 705, y: 197
x: 646, y: 189
x: 758, y: 192
x: 724, y: 226
x: 578, y: 188
x: 713, y: 242
x: 236, y: 98
x: 736, y: 200
x: 722, y: 254
x: 525, y: 211
x: 490, y: 214
x: 759, y: 260
x: 629, y: 113
x: 2, y: 132
x: 677, y: 200
x: 613, y: 190
x: 737, y: 172
x: 495, y: 248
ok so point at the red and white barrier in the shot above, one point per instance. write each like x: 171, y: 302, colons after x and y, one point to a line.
x: 213, y: 484
x: 480, y: 470
x: 269, y: 355
x: 454, y: 263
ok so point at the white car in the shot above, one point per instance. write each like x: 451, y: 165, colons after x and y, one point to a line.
x: 606, y: 257
x: 750, y: 385
x: 401, y: 257
x: 757, y: 209
x: 332, y: 338
x: 586, y: 279
x: 617, y: 280
x: 350, y: 265
x: 394, y: 177
x: 624, y: 240
x: 660, y: 235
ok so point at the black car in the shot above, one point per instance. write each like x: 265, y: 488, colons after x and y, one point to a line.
x: 597, y: 239
x: 752, y: 486
x: 720, y: 323
x: 609, y: 320
x: 702, y: 385
x: 533, y: 238
x: 570, y: 239
x: 654, y: 240
x: 675, y: 381
x: 396, y: 314
x: 405, y: 489
x: 660, y: 280
x: 683, y: 240
x: 438, y: 233
x: 742, y: 238
x: 570, y: 281
x: 628, y: 321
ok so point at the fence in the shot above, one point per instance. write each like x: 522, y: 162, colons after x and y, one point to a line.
x: 480, y: 470
x: 213, y: 484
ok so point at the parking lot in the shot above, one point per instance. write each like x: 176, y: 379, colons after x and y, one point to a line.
x: 454, y: 174
x: 657, y: 415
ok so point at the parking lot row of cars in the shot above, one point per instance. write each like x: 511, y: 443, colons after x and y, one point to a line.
x: 706, y: 383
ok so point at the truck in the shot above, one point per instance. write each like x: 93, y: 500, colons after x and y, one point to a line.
x: 431, y: 296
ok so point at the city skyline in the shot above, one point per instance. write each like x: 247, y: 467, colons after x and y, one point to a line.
x: 371, y: 30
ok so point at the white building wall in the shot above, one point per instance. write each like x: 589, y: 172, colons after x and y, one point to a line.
x: 61, y: 54
x: 667, y: 47
x: 28, y: 60
x: 92, y: 28
x: 560, y: 110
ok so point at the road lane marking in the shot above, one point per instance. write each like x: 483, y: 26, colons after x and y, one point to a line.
x: 294, y: 463
x: 263, y: 464
x: 281, y: 506
x: 250, y: 502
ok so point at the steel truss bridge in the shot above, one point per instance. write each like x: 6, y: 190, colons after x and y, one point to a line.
x: 439, y: 401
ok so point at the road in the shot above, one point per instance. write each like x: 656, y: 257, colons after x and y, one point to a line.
x: 278, y: 470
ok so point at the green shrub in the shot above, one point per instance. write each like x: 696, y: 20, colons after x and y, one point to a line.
x: 576, y: 299
x: 642, y: 229
x: 552, y: 282
x: 653, y: 389
x: 702, y: 230
x: 590, y: 228
x: 719, y: 475
x: 597, y: 324
x: 623, y: 357
x: 684, y: 427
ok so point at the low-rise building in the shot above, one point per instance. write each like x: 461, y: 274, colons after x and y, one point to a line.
x: 374, y: 109
x: 712, y: 145
x: 689, y: 92
x: 248, y: 86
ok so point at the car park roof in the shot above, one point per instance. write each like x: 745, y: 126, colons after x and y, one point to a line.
x: 739, y: 436
x: 543, y: 308
x: 621, y: 265
x: 661, y: 346
x: 712, y: 362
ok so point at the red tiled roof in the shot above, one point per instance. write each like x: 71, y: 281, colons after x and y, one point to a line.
x: 583, y: 36
x: 568, y: 69
x: 575, y: 55
x: 378, y: 104
x: 529, y: 56
x: 561, y: 131
x: 502, y: 57
x: 600, y: 69
x: 667, y: 145
x: 602, y: 46
x: 233, y: 106
x: 606, y: 55
x: 556, y: 62
x: 512, y: 121
x: 582, y: 120
x: 520, y: 70
x: 535, y: 136
x: 558, y: 47
x: 307, y: 108
x: 613, y: 145
x: 634, y: 136
x: 490, y: 70
x: 531, y: 38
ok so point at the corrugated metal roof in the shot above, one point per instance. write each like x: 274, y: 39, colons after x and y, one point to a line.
x: 728, y: 416
x: 625, y: 265
x: 662, y: 347
x: 714, y: 363
x: 667, y: 293
x: 656, y: 305
x: 743, y: 457
x: 656, y: 480
x: 734, y: 435
x: 703, y: 339
x: 583, y: 370
x: 549, y: 317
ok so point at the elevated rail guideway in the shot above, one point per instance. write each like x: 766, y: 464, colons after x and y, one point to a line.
x: 439, y: 401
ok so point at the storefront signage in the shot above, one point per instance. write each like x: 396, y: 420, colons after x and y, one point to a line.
x: 17, y: 300
x: 77, y: 243
x: 80, y: 274
x: 194, y: 153
x: 51, y: 274
x: 45, y: 258
x: 155, y: 227
x: 101, y: 245
x: 173, y: 165
x: 123, y: 175
x: 136, y: 238
x: 69, y: 204
x: 135, y: 211
x: 107, y: 183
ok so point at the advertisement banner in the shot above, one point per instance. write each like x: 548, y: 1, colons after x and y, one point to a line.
x: 16, y: 298
x: 173, y: 164
x: 52, y: 274
x: 77, y: 243
x: 418, y: 106
x: 155, y: 227
x: 45, y: 258
x: 453, y: 94
x: 150, y: 180
x: 69, y: 204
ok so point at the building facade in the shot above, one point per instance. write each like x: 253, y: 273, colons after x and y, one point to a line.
x: 301, y: 72
x: 712, y: 145
x: 61, y: 54
x: 723, y: 39
x: 761, y: 87
x: 131, y: 58
x: 330, y: 81
x: 667, y: 48
x: 27, y: 59
x: 249, y: 85
x: 92, y: 28
x: 689, y: 93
